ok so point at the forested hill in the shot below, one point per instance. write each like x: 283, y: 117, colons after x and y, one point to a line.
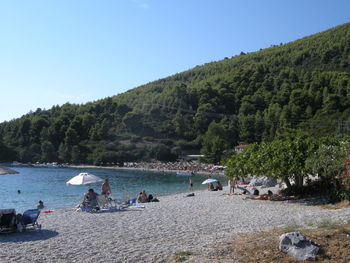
x: 301, y: 86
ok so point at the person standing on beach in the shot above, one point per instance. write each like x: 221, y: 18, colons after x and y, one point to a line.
x: 190, y: 183
x: 232, y: 185
x: 209, y: 184
x: 105, y: 188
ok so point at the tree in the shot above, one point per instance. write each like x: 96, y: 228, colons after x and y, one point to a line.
x: 327, y: 161
x: 162, y: 152
x: 286, y: 160
x: 203, y: 118
x: 48, y: 152
x: 215, y: 142
x: 281, y: 159
x: 239, y: 164
x: 72, y: 137
x: 76, y: 156
x: 64, y: 154
x: 99, y: 131
x: 133, y: 121
x: 179, y: 123
x: 247, y: 128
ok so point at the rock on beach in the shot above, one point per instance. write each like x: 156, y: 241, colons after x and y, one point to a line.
x: 154, y: 233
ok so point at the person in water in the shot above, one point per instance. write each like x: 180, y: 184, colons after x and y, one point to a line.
x: 40, y: 205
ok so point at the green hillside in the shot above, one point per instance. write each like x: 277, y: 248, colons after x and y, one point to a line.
x: 302, y: 86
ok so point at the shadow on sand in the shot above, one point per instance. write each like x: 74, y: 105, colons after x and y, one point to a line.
x: 27, y: 236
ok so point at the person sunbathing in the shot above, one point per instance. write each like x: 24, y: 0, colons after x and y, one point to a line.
x: 81, y: 207
x: 282, y: 197
x: 244, y: 192
x: 218, y: 186
x: 90, y: 196
x: 260, y: 197
x: 142, y: 198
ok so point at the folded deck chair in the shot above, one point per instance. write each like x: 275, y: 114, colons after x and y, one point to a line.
x: 7, y: 221
x: 105, y: 203
x: 134, y: 204
x: 30, y: 218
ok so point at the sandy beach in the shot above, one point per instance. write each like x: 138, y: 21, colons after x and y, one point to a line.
x: 158, y: 231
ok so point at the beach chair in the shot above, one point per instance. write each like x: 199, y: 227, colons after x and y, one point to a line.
x: 30, y: 219
x: 7, y: 220
x: 105, y: 203
x: 134, y: 204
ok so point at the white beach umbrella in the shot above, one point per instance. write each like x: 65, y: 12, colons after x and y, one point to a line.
x: 84, y: 178
x: 5, y: 170
x: 209, y: 181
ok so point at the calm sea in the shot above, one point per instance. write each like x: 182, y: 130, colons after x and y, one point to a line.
x: 49, y: 185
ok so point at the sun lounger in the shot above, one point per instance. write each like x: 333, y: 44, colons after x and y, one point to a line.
x: 105, y: 203
x: 30, y: 219
x: 7, y: 220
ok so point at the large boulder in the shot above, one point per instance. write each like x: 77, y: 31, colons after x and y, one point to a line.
x: 298, y: 246
x: 263, y: 182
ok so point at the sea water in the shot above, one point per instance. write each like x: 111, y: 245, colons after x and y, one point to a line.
x: 49, y: 185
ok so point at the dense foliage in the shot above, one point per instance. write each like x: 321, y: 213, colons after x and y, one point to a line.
x: 294, y: 160
x: 248, y: 98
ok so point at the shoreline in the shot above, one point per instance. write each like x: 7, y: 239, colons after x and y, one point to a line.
x: 83, y: 166
x: 88, y: 166
x: 155, y: 233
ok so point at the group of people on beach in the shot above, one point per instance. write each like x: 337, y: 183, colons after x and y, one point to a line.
x: 144, y: 198
x: 211, y: 186
x: 90, y: 198
x: 218, y: 186
x: 255, y: 194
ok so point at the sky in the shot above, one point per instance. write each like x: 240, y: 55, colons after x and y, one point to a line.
x: 77, y: 51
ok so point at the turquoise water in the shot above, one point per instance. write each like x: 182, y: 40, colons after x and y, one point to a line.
x: 49, y: 185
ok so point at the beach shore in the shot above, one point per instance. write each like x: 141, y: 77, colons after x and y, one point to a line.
x: 158, y: 231
x: 148, y: 167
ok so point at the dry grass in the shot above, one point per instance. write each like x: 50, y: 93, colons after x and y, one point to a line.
x: 333, y: 240
x: 182, y: 256
x: 342, y: 204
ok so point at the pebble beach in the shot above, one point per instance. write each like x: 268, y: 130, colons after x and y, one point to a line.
x: 156, y: 232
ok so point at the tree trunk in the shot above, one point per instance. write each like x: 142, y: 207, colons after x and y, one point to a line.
x: 286, y: 180
x: 299, y: 179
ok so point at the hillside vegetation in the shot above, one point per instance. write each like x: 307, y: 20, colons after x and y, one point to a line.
x: 303, y: 85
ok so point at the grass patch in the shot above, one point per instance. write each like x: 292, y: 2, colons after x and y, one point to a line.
x: 340, y: 205
x: 293, y: 227
x: 332, y: 238
x: 329, y: 224
x: 182, y: 256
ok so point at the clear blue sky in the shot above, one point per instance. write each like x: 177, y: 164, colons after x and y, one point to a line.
x: 58, y: 51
